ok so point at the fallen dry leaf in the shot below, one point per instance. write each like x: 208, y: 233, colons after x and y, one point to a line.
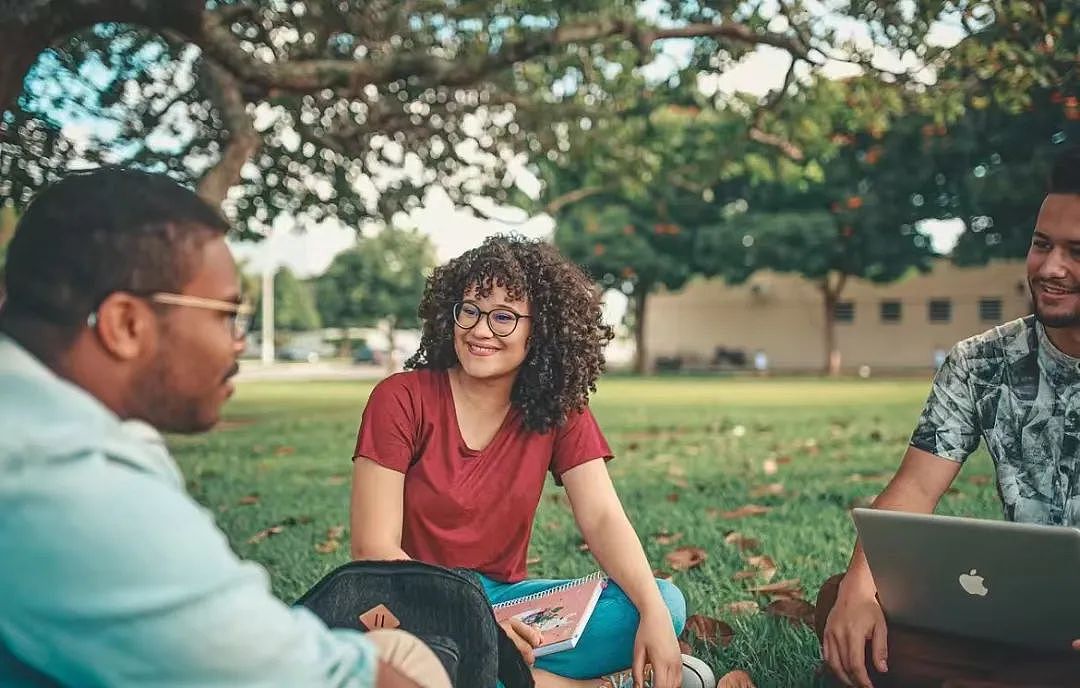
x: 673, y: 497
x: 661, y: 574
x: 790, y: 587
x: 328, y: 547
x: 735, y: 679
x: 769, y: 467
x: 765, y: 566
x: 744, y: 575
x: 709, y: 630
x: 284, y: 451
x: 685, y: 648
x: 685, y: 558
x: 770, y: 490
x: 532, y: 561
x: 551, y: 525
x: 265, y: 533
x: 583, y: 547
x: 745, y: 544
x: 979, y: 480
x: 796, y: 611
x: 783, y: 459
x: 248, y: 500
x: 335, y: 532
x: 742, y: 607
x: 666, y: 538
x: 746, y: 510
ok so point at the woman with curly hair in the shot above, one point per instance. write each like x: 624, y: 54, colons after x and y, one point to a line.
x: 452, y: 455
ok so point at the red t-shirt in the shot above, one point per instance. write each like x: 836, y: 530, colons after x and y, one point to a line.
x: 466, y: 508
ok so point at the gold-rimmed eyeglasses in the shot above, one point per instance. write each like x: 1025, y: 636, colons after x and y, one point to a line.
x: 239, y: 312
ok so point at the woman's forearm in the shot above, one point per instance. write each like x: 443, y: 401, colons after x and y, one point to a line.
x: 617, y: 549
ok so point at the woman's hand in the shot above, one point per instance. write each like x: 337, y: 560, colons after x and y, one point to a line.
x: 524, y: 637
x: 656, y: 645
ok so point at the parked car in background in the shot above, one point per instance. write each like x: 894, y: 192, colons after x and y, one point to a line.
x: 362, y: 353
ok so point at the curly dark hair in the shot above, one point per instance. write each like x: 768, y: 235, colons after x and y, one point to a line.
x: 566, y: 348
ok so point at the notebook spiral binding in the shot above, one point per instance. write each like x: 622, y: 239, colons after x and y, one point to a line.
x: 597, y: 575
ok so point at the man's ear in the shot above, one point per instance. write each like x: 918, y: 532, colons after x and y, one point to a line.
x: 126, y: 326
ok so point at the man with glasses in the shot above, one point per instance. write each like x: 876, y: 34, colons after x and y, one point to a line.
x: 124, y: 319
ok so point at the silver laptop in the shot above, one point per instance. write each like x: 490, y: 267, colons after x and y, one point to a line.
x: 1010, y: 582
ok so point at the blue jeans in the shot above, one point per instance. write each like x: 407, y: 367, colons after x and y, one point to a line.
x: 607, y: 644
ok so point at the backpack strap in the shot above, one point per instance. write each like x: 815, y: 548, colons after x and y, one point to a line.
x: 513, y: 671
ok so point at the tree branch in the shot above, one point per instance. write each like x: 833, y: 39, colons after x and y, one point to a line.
x: 556, y: 204
x: 756, y: 133
x: 350, y: 76
x: 731, y: 30
x: 243, y: 140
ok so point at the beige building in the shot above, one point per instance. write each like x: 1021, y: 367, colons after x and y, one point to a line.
x: 887, y: 327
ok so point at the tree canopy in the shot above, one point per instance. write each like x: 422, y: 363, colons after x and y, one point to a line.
x: 351, y: 109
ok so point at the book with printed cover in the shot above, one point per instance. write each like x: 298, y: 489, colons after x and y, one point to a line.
x: 560, y: 613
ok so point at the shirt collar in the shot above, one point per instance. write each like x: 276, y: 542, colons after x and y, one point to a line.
x: 1060, y: 364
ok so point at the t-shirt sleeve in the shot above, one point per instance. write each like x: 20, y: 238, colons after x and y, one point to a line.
x: 948, y: 426
x: 578, y: 440
x: 387, y: 432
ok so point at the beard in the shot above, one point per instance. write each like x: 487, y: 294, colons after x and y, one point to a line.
x: 1056, y: 320
x: 166, y: 402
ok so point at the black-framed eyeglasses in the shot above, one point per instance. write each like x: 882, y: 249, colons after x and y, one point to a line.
x: 239, y: 314
x: 501, y: 321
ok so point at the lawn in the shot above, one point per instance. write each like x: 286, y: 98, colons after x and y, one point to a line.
x: 688, y: 451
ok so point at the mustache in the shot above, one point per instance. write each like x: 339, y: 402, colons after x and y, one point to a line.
x: 1055, y: 284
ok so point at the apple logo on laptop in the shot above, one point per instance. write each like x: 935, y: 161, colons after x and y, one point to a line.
x: 973, y: 583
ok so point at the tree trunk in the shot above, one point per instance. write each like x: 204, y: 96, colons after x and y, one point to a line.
x: 830, y: 295
x: 641, y: 356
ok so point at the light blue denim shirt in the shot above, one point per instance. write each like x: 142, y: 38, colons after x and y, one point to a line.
x: 111, y: 575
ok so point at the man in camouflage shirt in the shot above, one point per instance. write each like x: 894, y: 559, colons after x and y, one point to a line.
x: 1014, y: 387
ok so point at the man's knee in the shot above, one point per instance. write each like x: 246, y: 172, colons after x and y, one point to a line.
x: 410, y: 657
x: 826, y: 599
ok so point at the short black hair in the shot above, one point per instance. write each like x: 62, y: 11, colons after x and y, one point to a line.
x: 1065, y: 176
x: 99, y: 231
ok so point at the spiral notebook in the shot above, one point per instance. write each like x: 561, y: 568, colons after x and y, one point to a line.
x: 560, y: 614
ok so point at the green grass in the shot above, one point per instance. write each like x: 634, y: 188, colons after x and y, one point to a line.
x: 685, y: 448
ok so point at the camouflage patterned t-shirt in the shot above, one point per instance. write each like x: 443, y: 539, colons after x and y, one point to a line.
x: 1011, y: 387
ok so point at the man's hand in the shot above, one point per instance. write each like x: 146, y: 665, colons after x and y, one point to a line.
x: 524, y: 636
x: 855, y: 619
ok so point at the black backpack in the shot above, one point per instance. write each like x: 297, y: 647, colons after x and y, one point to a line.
x: 445, y: 608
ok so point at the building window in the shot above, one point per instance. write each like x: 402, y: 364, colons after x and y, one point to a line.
x: 890, y: 311
x: 844, y: 311
x: 990, y: 310
x: 940, y: 310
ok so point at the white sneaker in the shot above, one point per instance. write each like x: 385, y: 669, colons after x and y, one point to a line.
x: 695, y: 674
